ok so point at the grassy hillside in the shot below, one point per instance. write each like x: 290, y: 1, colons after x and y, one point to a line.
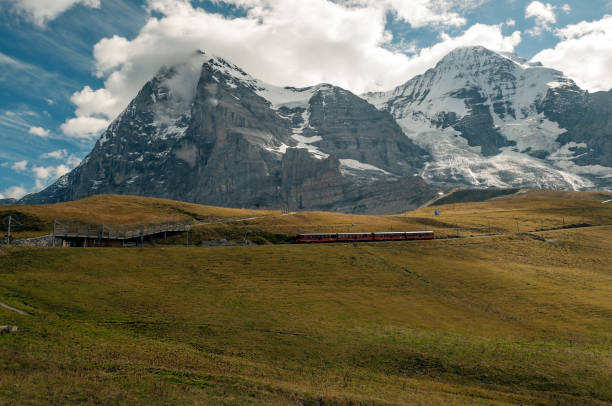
x: 37, y: 220
x: 522, y: 319
x: 525, y: 211
x: 471, y: 195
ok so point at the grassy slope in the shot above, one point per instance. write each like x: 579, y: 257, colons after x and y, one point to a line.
x: 531, y: 210
x: 502, y: 320
x: 116, y: 209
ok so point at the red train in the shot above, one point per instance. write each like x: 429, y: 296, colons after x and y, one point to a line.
x: 358, y: 237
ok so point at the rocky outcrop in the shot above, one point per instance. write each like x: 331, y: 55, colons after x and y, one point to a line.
x: 350, y: 128
x: 588, y: 121
x: 8, y: 329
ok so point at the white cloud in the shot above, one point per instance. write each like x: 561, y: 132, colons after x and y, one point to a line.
x: 94, y: 102
x: 42, y: 11
x: 72, y: 161
x: 84, y: 127
x: 544, y: 15
x: 13, y: 192
x: 289, y: 42
x: 566, y: 8
x: 45, y: 174
x: 58, y: 154
x: 38, y: 131
x: 510, y: 23
x: 20, y: 166
x: 94, y: 109
x: 420, y: 13
x: 584, y: 54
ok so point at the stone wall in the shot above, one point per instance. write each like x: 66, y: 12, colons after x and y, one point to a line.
x: 45, y: 241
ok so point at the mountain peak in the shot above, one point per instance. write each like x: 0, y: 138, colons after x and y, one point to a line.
x: 476, y: 56
x: 481, y: 56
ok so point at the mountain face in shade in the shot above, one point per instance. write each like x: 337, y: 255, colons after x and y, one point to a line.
x: 492, y: 119
x: 7, y: 202
x: 207, y: 132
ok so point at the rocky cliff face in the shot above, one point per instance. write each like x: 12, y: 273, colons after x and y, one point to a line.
x: 207, y: 132
x: 491, y: 119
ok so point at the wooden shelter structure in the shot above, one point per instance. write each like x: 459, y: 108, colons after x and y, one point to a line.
x: 80, y: 234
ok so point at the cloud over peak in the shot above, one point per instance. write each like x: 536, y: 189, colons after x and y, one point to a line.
x: 584, y: 53
x: 289, y: 42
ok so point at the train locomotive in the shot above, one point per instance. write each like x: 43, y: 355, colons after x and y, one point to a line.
x: 363, y: 237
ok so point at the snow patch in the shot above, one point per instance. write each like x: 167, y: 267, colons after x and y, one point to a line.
x: 286, y: 96
x: 564, y: 156
x: 281, y: 150
x: 565, y: 152
x: 278, y: 97
x: 132, y: 180
x: 535, y: 133
x: 454, y: 161
x: 360, y: 166
x: 306, y: 142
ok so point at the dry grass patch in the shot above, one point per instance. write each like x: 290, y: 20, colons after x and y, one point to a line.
x: 502, y: 320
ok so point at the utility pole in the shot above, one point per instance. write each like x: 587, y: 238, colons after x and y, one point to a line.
x: 8, y: 236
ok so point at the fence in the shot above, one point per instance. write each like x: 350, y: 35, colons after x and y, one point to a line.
x: 76, y: 229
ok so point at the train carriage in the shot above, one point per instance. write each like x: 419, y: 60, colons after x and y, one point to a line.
x: 390, y: 236
x: 364, y: 237
x: 315, y: 238
x: 352, y: 237
x: 420, y: 235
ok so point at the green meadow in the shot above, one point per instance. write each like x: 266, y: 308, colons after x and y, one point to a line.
x: 517, y: 318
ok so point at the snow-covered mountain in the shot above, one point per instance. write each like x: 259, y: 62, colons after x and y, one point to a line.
x: 492, y: 119
x: 205, y: 131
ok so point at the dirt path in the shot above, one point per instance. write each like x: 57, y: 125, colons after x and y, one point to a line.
x: 12, y: 309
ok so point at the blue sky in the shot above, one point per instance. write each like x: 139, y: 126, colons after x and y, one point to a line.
x: 47, y: 55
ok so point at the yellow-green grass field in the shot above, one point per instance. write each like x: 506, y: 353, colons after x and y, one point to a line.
x: 527, y: 211
x: 512, y: 319
x: 522, y: 212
